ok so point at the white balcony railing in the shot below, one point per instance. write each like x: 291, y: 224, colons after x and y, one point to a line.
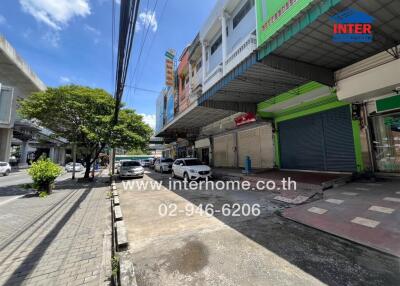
x: 212, y: 78
x: 243, y: 50
x: 196, y: 79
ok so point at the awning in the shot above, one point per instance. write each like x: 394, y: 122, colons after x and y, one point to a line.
x: 189, y: 122
x: 308, y: 38
x: 252, y: 82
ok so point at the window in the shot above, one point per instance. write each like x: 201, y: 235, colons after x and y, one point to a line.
x: 198, y: 66
x: 168, y: 160
x: 193, y: 162
x: 242, y: 13
x: 178, y: 162
x: 216, y: 44
x: 131, y: 164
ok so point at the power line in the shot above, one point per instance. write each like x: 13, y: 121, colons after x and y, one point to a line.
x: 152, y: 42
x: 142, y: 46
x: 142, y: 89
x: 128, y: 17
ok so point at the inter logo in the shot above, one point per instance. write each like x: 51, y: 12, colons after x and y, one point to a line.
x: 352, y: 26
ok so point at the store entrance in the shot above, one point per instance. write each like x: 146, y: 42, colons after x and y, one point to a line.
x: 386, y: 142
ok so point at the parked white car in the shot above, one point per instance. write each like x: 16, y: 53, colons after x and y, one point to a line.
x: 70, y: 167
x: 5, y: 168
x: 131, y: 169
x: 163, y: 165
x: 190, y: 169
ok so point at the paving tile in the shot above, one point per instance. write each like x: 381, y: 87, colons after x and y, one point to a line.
x: 317, y: 210
x: 335, y: 201
x: 381, y: 209
x: 390, y: 199
x: 366, y: 222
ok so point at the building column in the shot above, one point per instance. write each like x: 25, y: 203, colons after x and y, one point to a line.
x: 62, y: 156
x: 224, y: 40
x: 203, y: 60
x: 52, y: 154
x: 24, y: 155
x: 5, y: 144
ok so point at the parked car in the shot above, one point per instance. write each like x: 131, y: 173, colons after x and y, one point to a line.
x: 163, y: 165
x: 5, y: 168
x: 190, y: 169
x: 146, y: 163
x: 118, y: 165
x: 131, y: 169
x: 152, y: 161
x: 78, y: 167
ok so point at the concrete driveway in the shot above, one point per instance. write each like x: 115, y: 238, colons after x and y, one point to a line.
x: 196, y: 249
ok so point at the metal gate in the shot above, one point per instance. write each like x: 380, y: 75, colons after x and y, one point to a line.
x: 322, y: 141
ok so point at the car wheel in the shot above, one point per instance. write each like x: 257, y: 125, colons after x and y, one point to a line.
x: 7, y: 173
x: 173, y: 174
x: 161, y: 169
x: 186, y: 177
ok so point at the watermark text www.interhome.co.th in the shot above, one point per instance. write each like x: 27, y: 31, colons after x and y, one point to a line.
x: 286, y: 184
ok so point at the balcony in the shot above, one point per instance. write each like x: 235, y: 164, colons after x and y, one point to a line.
x: 243, y: 50
x: 212, y: 78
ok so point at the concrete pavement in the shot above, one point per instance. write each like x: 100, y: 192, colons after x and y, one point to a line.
x: 63, y: 239
x: 194, y: 249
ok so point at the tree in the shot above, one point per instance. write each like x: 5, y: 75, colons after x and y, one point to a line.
x: 83, y: 115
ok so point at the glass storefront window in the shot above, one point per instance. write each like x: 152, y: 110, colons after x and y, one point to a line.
x: 387, y: 142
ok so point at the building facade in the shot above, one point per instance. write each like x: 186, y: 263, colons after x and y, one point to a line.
x: 283, y: 85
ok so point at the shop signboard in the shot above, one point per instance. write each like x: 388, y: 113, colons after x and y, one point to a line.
x: 273, y: 15
x: 246, y: 118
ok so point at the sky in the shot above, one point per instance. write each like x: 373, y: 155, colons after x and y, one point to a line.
x: 70, y: 42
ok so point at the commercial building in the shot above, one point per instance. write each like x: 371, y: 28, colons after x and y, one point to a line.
x: 22, y: 140
x: 297, y: 84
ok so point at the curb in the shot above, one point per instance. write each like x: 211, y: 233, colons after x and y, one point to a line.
x: 126, y: 271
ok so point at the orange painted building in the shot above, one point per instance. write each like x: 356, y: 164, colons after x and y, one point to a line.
x: 183, y: 80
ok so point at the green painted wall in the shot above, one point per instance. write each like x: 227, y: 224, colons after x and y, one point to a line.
x: 388, y: 103
x: 269, y: 19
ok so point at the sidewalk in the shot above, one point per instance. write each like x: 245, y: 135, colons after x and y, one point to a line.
x: 58, y: 240
x: 367, y: 213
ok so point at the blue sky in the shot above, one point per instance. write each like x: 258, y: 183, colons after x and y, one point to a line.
x: 69, y: 41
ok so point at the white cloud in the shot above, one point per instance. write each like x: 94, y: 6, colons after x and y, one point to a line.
x: 3, y: 20
x: 55, y: 14
x: 52, y: 38
x: 92, y: 30
x: 65, y: 80
x: 145, y: 19
x: 150, y: 119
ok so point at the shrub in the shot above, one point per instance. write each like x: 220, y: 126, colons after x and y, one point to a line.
x: 43, y: 173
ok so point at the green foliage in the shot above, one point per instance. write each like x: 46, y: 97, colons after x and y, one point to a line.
x: 137, y: 152
x: 43, y: 195
x: 43, y: 173
x: 84, y: 115
x: 115, y: 265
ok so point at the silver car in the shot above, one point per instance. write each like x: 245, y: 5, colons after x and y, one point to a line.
x: 163, y: 165
x: 5, y: 168
x: 131, y: 169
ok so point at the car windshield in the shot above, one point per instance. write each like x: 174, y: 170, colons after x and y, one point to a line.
x: 3, y: 164
x: 167, y: 160
x: 131, y: 164
x: 193, y: 162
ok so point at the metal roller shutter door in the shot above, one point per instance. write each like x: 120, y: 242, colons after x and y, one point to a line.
x: 224, y: 151
x: 322, y: 141
x: 256, y: 143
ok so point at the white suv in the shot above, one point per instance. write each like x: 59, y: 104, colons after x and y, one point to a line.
x: 190, y: 169
x: 5, y: 168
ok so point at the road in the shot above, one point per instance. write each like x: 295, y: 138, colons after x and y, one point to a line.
x: 183, y: 247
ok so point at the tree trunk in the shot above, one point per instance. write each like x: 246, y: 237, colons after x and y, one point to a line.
x: 88, y: 164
